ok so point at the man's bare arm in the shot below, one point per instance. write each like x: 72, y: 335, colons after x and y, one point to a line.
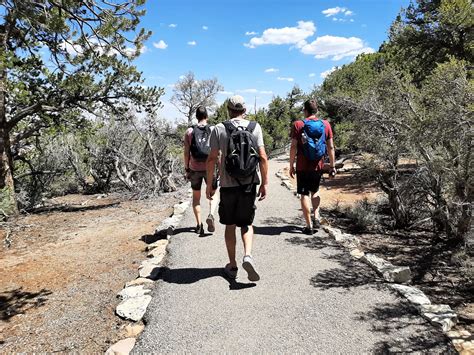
x: 210, y: 168
x: 262, y: 193
x: 186, y: 156
x: 293, y: 148
x: 332, y: 156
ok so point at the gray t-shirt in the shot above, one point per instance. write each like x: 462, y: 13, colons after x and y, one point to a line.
x: 219, y: 140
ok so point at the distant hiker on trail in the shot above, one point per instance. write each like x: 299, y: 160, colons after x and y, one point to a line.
x: 196, y: 151
x: 241, y: 143
x: 311, y: 141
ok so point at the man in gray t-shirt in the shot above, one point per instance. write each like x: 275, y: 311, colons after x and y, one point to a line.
x: 237, y: 206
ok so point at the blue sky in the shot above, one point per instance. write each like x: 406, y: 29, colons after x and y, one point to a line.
x: 258, y: 48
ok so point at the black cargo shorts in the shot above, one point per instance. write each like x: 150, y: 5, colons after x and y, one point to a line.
x: 237, y: 205
x: 308, y: 181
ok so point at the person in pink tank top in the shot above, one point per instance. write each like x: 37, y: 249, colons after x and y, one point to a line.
x: 196, y: 149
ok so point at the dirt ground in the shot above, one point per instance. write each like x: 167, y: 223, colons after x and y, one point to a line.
x: 60, y: 271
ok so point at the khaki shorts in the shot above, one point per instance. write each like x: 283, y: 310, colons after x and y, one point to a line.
x: 196, y: 178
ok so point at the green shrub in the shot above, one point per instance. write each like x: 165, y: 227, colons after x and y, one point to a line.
x: 362, y: 215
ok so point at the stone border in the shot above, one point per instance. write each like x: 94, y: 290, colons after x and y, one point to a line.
x: 440, y: 315
x: 134, y: 296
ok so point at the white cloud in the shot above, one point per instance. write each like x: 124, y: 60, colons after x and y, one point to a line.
x: 181, y: 77
x: 286, y: 35
x: 269, y: 92
x: 333, y: 11
x: 192, y: 43
x: 130, y: 51
x: 251, y: 33
x: 173, y: 25
x: 286, y: 79
x: 324, y: 74
x: 160, y: 45
x: 71, y: 49
x: 205, y: 28
x: 336, y: 47
x: 271, y: 70
x: 227, y: 93
x: 312, y: 75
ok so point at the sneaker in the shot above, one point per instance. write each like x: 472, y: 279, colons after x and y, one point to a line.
x: 201, y: 230
x: 210, y: 223
x: 231, y: 272
x: 249, y: 266
x: 316, y: 222
x: 308, y: 230
x: 198, y: 229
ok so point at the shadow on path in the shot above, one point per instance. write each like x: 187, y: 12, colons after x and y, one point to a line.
x: 276, y: 230
x: 184, y: 230
x: 313, y: 242
x: 351, y: 273
x: 390, y: 319
x: 18, y: 301
x: 278, y: 225
x: 192, y: 275
x: 387, y: 318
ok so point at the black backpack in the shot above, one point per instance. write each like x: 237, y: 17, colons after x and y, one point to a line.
x: 242, y: 150
x: 200, y: 142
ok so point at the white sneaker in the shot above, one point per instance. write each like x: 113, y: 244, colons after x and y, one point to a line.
x: 249, y: 266
x: 210, y: 223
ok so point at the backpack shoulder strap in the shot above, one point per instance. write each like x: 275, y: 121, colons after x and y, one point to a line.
x: 193, y: 133
x: 206, y: 128
x: 304, y: 128
x: 229, y: 126
x: 251, y: 126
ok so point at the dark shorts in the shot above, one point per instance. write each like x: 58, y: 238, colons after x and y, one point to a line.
x: 307, y: 181
x: 237, y: 205
x: 196, y: 178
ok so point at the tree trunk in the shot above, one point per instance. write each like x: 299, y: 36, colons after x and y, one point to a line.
x: 7, y: 189
x: 399, y: 212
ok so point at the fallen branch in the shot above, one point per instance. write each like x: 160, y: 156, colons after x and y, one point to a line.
x: 69, y: 208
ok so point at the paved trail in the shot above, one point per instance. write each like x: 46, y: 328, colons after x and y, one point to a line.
x: 312, y: 297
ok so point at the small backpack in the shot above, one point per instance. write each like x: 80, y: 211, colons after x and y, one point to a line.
x: 242, y: 150
x: 313, y: 138
x: 200, y: 142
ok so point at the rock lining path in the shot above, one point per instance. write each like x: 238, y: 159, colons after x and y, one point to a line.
x: 312, y: 296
